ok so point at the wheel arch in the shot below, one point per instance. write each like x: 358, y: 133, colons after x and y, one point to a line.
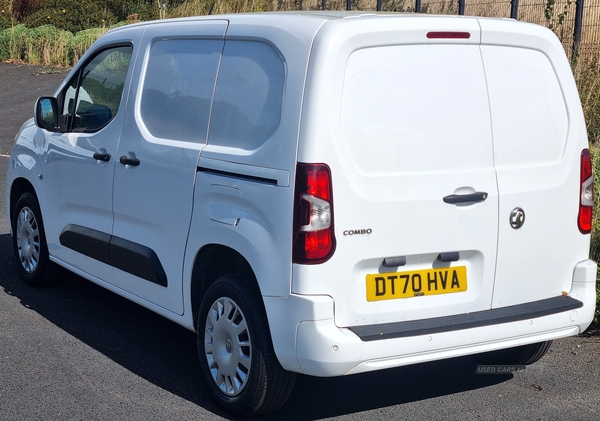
x: 18, y: 187
x: 212, y: 262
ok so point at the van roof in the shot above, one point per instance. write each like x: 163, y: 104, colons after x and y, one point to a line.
x: 322, y: 15
x: 303, y: 26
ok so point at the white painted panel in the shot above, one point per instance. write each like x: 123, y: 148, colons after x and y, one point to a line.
x: 401, y: 127
x: 537, y: 157
x: 416, y: 108
x: 528, y: 109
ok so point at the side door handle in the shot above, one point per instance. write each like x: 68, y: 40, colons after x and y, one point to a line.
x: 125, y: 160
x: 454, y: 199
x: 99, y: 156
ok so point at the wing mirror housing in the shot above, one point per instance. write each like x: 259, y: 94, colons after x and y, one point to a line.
x: 46, y: 113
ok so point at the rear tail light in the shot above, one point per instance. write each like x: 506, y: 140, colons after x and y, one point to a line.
x: 314, y: 241
x: 586, y: 196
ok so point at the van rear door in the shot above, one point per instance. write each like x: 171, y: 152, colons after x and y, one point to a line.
x: 539, y: 135
x: 405, y: 127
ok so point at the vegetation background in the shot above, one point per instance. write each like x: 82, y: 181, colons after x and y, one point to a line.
x: 58, y: 32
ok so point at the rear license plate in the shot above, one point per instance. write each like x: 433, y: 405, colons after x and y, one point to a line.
x: 416, y: 283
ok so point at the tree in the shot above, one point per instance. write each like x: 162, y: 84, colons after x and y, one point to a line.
x: 23, y: 8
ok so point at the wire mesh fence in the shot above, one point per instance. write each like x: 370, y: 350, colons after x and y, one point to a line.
x: 590, y: 40
x: 494, y: 9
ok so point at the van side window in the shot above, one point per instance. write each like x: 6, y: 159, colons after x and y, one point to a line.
x: 249, y: 95
x: 178, y: 88
x: 95, y: 93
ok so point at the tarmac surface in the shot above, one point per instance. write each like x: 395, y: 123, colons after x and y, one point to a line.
x: 75, y: 351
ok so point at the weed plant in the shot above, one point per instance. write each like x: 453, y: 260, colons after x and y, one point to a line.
x: 81, y: 41
x: 47, y: 45
x: 587, y: 76
x: 12, y: 42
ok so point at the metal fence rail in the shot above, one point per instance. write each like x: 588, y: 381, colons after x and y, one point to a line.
x: 575, y: 22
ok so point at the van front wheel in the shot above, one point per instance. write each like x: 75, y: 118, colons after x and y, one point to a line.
x: 235, y: 350
x: 29, y: 243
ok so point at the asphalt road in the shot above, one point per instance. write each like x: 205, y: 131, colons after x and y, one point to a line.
x: 77, y: 352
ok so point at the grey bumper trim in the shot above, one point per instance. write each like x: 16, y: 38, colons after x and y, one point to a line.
x: 509, y: 314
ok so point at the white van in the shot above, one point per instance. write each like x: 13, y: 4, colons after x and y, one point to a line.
x: 319, y: 193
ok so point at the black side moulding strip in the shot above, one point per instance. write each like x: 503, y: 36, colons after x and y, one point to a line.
x: 138, y: 260
x: 237, y: 176
x: 128, y: 256
x: 87, y: 241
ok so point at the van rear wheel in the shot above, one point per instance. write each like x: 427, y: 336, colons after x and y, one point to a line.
x: 520, y: 355
x: 235, y: 350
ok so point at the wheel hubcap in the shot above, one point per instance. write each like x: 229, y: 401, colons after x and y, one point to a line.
x: 28, y: 240
x: 227, y: 346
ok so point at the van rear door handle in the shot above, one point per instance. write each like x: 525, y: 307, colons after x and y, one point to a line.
x: 465, y: 198
x: 125, y: 160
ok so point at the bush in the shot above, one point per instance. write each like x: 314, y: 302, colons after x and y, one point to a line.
x: 71, y: 15
x: 23, y: 8
x: 47, y: 45
x: 144, y: 9
x: 5, y: 22
x: 587, y: 74
x: 12, y: 42
x: 5, y: 18
x: 595, y: 238
x: 82, y: 40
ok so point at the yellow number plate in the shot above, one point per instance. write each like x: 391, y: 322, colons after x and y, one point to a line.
x: 388, y: 286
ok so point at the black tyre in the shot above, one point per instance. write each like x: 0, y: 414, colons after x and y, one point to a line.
x: 29, y: 243
x: 235, y: 350
x: 521, y: 355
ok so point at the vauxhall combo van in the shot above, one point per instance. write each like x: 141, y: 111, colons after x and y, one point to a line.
x: 318, y: 193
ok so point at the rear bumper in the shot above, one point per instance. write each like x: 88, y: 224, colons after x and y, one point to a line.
x: 306, y: 339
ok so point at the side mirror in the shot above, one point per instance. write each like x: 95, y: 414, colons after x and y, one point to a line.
x: 46, y: 113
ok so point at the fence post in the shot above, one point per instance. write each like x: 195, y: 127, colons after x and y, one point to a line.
x: 577, y: 31
x: 514, y: 9
x: 324, y: 4
x: 461, y: 7
x: 348, y: 4
x: 379, y: 2
x: 417, y: 6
